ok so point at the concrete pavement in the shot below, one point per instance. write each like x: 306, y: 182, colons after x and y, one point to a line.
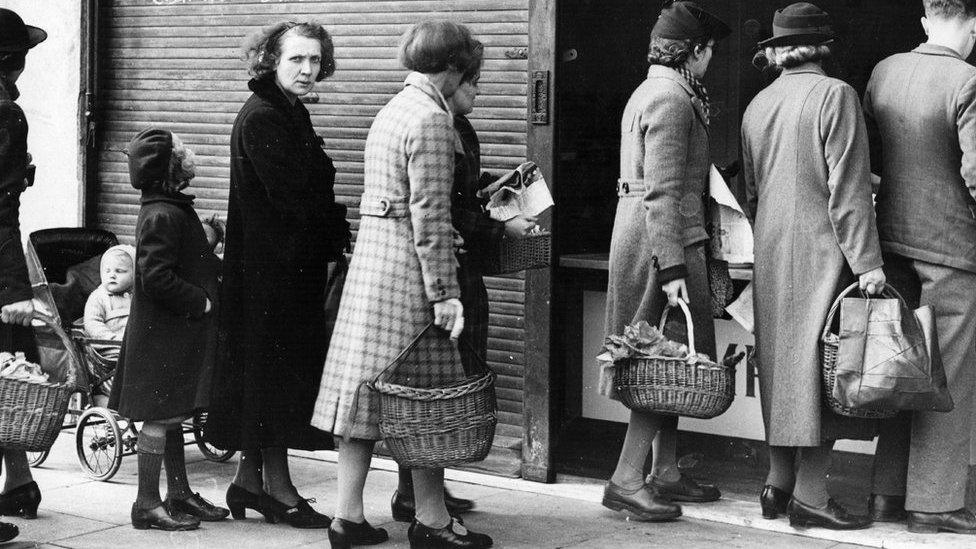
x: 77, y: 512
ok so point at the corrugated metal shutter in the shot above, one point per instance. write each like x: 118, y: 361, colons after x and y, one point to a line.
x: 176, y: 63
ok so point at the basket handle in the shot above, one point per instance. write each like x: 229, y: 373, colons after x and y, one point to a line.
x: 888, y: 290
x: 691, y: 329
x: 413, y: 344
x: 55, y: 327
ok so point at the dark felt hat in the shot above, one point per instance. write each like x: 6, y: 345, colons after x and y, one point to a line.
x: 687, y: 20
x: 15, y: 35
x: 149, y: 156
x: 800, y: 24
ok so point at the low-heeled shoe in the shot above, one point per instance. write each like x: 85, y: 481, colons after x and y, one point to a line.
x: 887, y: 508
x: 196, y: 506
x: 405, y: 508
x: 832, y: 516
x: 300, y: 515
x: 453, y: 536
x: 773, y: 501
x: 22, y: 501
x: 344, y: 534
x: 8, y: 531
x: 158, y: 517
x: 686, y: 489
x: 643, y: 503
x: 239, y: 500
x: 960, y: 521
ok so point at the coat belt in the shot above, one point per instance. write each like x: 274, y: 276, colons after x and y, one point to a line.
x: 383, y: 207
x: 631, y: 187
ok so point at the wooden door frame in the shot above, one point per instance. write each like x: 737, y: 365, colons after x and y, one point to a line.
x: 538, y: 414
x: 87, y: 136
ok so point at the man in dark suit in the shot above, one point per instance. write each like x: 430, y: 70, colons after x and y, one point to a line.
x: 921, y: 107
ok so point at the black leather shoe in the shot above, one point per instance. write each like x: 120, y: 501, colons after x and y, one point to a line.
x: 22, y: 501
x: 887, y: 508
x: 196, y: 506
x: 832, y: 516
x: 343, y: 534
x: 301, y: 515
x: 158, y: 517
x: 404, y: 507
x: 773, y: 501
x: 958, y: 522
x: 453, y: 536
x: 239, y: 500
x: 643, y: 503
x: 8, y: 531
x: 686, y: 490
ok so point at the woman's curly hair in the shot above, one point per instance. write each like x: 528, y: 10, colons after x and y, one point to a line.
x: 182, y: 167
x: 785, y: 57
x: 672, y: 52
x: 262, y: 49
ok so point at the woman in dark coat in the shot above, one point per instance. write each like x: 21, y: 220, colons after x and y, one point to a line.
x: 657, y: 248
x: 166, y: 361
x: 283, y: 228
x: 21, y: 495
x: 807, y: 172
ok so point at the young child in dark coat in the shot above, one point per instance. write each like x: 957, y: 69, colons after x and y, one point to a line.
x: 167, y: 355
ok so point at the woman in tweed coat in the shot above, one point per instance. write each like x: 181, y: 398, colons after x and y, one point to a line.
x: 656, y: 251
x: 403, y: 277
x: 807, y: 172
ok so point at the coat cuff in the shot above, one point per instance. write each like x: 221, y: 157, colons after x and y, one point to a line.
x: 672, y: 273
x: 15, y: 295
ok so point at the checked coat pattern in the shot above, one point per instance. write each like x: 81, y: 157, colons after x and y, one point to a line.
x: 403, y: 262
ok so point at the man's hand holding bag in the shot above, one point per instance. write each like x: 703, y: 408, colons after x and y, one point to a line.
x: 888, y: 356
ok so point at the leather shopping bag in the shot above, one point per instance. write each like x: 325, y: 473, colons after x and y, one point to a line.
x: 333, y: 293
x: 888, y: 355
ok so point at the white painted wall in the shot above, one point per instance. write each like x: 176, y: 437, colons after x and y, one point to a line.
x: 49, y: 91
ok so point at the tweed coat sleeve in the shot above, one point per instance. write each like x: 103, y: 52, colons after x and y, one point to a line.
x: 748, y: 175
x: 430, y: 170
x: 874, y: 133
x: 666, y: 123
x: 269, y: 142
x: 850, y: 207
x: 966, y: 128
x: 14, y: 283
x: 157, y: 252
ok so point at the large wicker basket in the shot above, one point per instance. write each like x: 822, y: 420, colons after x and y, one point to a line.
x: 533, y: 251
x: 829, y: 344
x: 434, y: 427
x: 673, y: 386
x: 31, y: 413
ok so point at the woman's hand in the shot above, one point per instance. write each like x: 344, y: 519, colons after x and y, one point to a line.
x: 20, y: 312
x: 208, y: 307
x: 675, y: 290
x: 873, y: 282
x: 520, y: 225
x: 449, y: 316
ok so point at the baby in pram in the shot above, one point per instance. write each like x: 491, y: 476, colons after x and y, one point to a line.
x: 106, y: 314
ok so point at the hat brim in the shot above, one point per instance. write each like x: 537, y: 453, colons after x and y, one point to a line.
x: 35, y: 36
x: 797, y: 40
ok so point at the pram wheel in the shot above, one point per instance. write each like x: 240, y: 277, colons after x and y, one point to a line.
x: 208, y: 450
x: 35, y: 459
x: 98, y: 441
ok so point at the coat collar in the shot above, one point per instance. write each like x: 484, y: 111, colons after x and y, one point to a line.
x: 153, y: 196
x: 935, y: 49
x: 265, y: 88
x: 660, y: 71
x: 422, y: 83
x: 8, y: 91
x: 806, y: 68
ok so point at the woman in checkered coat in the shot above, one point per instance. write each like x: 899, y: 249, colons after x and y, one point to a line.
x: 403, y: 277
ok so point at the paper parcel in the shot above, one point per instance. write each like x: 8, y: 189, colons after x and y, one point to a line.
x: 523, y: 191
x: 731, y: 231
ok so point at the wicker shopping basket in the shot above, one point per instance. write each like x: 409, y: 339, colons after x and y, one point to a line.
x: 434, y: 427
x: 673, y: 386
x: 829, y: 344
x: 533, y: 251
x: 31, y: 413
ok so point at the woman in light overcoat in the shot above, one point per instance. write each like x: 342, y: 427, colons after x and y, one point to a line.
x: 657, y: 249
x: 807, y: 171
x: 402, y: 278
